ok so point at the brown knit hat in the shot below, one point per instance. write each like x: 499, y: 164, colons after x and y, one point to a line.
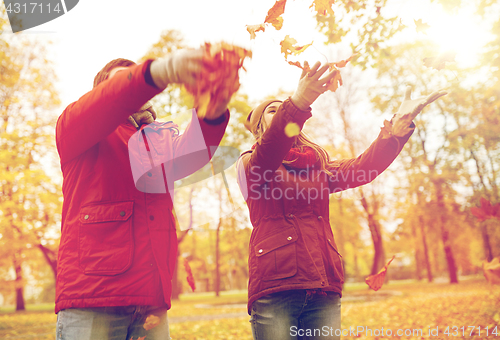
x: 254, y: 116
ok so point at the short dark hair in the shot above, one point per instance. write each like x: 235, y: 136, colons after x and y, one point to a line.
x: 104, y: 73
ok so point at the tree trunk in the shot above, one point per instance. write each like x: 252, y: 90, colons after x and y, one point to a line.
x: 418, y: 251
x: 445, y: 235
x: 426, y: 250
x: 375, y: 231
x: 486, y: 241
x: 19, y: 284
x: 51, y: 258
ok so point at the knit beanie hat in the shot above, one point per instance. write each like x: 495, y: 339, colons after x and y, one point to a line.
x: 254, y: 116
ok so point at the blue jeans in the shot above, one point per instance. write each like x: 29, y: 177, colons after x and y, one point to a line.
x: 113, y: 323
x: 296, y: 314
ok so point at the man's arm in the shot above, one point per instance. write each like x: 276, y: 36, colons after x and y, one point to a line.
x: 99, y: 112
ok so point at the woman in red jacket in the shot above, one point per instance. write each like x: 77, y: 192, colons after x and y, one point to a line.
x: 295, y: 269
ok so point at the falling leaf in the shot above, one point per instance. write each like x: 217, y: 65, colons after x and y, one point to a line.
x: 491, y: 271
x: 141, y: 338
x: 292, y: 130
x: 486, y: 211
x: 343, y: 63
x: 274, y: 14
x: 440, y: 61
x: 421, y: 26
x: 252, y: 29
x: 296, y: 63
x: 336, y: 81
x: 323, y: 6
x: 151, y: 322
x: 190, y: 278
x: 219, y: 76
x: 287, y: 47
x: 376, y: 281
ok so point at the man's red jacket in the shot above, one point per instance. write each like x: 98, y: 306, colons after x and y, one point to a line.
x: 118, y: 242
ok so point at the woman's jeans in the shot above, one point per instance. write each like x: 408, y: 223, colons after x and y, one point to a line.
x: 296, y: 314
x: 113, y: 323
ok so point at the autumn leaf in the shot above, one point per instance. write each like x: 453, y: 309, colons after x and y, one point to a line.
x: 274, y: 14
x: 486, y: 211
x: 219, y: 76
x: 336, y: 81
x: 296, y: 63
x: 421, y: 26
x: 376, y: 281
x: 343, y: 63
x: 440, y: 61
x: 401, y: 127
x: 252, y: 29
x: 151, y: 322
x: 287, y: 47
x: 190, y: 278
x: 491, y: 270
x: 323, y: 6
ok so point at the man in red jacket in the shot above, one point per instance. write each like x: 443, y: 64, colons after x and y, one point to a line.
x: 118, y: 239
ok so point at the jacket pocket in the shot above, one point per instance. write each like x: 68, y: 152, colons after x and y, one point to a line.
x: 105, y: 244
x: 277, y: 256
x: 336, y: 261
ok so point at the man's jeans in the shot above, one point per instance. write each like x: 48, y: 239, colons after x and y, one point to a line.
x: 296, y: 314
x: 113, y: 323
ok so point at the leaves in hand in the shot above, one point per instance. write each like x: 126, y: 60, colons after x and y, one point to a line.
x: 219, y: 76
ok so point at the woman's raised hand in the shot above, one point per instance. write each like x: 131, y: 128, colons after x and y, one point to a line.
x: 311, y: 86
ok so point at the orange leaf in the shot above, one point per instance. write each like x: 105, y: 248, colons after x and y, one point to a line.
x: 151, y: 322
x: 336, y: 81
x: 252, y: 29
x: 376, y: 281
x: 287, y: 47
x: 296, y: 63
x: 190, y: 278
x: 491, y: 271
x: 486, y: 211
x: 273, y: 15
x: 421, y: 26
x: 219, y: 76
x: 323, y: 6
x: 343, y: 63
x: 440, y: 61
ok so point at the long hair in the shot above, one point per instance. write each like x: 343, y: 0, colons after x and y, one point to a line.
x: 104, y: 73
x: 301, y: 141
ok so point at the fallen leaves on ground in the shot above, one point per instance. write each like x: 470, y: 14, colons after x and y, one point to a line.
x: 376, y: 281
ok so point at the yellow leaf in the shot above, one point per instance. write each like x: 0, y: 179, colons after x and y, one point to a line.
x: 292, y: 130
